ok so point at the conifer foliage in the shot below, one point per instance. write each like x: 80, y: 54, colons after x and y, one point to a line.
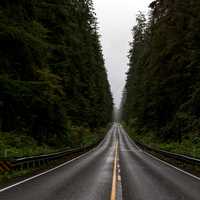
x: 162, y: 90
x: 52, y: 70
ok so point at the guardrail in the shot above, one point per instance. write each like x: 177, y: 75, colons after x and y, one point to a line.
x: 178, y: 157
x: 37, y: 161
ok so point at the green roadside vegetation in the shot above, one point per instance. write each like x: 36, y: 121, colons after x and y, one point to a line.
x: 21, y: 145
x: 189, y: 145
x: 8, y: 176
x: 13, y: 145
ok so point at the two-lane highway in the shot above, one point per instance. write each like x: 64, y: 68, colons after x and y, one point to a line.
x: 117, y: 169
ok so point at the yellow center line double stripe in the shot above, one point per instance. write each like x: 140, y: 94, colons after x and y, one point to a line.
x: 114, y: 180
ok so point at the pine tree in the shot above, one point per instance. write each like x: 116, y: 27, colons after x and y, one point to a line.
x: 52, y: 71
x: 163, y: 80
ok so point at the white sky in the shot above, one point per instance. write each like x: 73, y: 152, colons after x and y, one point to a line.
x: 116, y: 19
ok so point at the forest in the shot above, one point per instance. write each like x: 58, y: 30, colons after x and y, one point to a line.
x: 53, y: 81
x: 162, y: 93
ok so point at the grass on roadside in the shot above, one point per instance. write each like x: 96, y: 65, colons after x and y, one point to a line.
x: 6, y: 176
x: 20, y: 145
x: 189, y: 146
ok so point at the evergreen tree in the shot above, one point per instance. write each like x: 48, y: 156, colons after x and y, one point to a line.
x: 163, y: 79
x: 52, y: 71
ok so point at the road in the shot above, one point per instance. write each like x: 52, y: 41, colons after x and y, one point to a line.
x: 147, y: 178
x: 117, y: 169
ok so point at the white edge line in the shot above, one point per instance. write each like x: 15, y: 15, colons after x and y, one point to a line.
x: 46, y: 172
x: 53, y: 169
x: 166, y: 163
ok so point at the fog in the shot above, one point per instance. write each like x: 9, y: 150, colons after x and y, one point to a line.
x: 116, y: 19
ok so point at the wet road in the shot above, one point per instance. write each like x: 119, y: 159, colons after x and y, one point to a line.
x: 116, y: 169
x: 147, y: 178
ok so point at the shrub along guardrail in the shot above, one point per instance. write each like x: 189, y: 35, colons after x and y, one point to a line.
x: 37, y: 161
x: 178, y: 157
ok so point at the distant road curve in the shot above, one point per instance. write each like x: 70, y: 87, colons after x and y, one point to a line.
x: 117, y: 169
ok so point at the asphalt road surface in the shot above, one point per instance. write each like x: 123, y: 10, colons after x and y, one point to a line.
x: 117, y: 169
x: 147, y: 178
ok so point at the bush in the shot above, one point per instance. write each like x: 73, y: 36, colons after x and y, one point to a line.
x: 19, y: 145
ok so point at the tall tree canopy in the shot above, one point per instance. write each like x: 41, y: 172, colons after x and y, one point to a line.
x: 52, y: 69
x: 162, y: 89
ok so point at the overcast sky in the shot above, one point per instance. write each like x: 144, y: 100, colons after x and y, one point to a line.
x: 116, y: 19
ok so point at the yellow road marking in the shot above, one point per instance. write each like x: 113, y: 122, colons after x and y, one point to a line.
x: 114, y: 181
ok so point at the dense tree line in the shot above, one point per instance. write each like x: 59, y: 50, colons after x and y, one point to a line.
x: 52, y: 73
x: 162, y: 92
